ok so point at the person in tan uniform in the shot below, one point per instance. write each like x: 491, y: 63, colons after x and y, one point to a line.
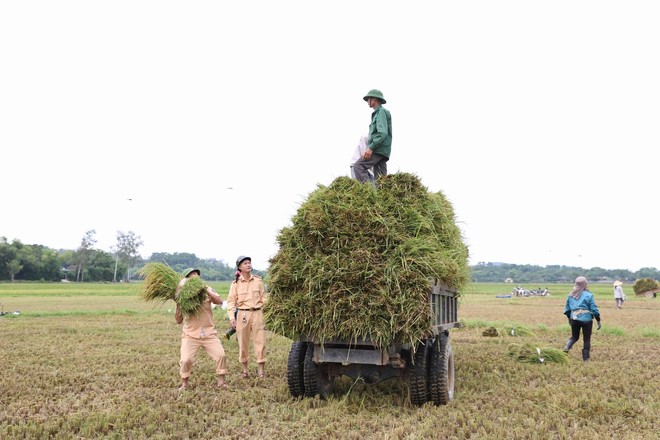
x: 247, y: 297
x: 199, y: 331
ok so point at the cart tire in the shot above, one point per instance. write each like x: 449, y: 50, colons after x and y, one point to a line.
x: 294, y: 371
x: 441, y: 371
x: 419, y: 375
x: 316, y: 378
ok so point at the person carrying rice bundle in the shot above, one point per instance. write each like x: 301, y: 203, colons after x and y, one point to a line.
x: 199, y: 331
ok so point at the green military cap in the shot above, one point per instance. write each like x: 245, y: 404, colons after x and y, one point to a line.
x: 374, y: 93
x: 187, y: 272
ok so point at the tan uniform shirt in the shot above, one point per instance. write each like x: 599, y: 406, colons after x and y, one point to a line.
x: 200, y: 325
x: 246, y: 294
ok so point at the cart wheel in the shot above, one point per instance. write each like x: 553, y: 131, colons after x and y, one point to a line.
x: 294, y: 372
x: 441, y: 371
x: 316, y: 377
x: 419, y: 375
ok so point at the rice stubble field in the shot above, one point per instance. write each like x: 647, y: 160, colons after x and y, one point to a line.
x: 94, y: 361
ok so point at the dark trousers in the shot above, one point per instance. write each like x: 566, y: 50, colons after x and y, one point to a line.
x: 377, y: 161
x: 586, y: 328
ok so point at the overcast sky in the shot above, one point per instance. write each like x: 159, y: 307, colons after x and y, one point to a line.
x: 202, y: 126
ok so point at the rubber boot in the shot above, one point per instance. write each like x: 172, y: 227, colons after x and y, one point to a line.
x: 569, y: 344
x: 585, y: 355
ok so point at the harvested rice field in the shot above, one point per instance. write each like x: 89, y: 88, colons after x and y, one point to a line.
x: 96, y: 361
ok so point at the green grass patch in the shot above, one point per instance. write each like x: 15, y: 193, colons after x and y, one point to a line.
x: 475, y: 323
x: 9, y: 290
x: 504, y: 328
x: 611, y: 330
x: 542, y: 327
x: 81, y: 313
x: 650, y: 332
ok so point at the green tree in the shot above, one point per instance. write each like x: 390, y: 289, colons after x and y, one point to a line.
x: 101, y: 266
x: 7, y: 253
x: 83, y: 253
x: 49, y: 265
x: 127, y: 251
x: 648, y: 272
x: 29, y: 261
x: 14, y: 266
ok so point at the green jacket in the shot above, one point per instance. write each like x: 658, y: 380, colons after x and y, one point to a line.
x: 380, y: 132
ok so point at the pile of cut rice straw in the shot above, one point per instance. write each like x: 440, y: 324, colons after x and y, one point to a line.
x: 528, y: 353
x: 357, y: 260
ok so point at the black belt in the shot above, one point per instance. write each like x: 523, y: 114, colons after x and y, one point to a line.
x: 251, y: 310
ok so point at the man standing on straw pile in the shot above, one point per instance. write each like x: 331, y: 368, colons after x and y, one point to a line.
x: 581, y: 309
x: 247, y: 295
x: 199, y: 331
x: 379, y: 144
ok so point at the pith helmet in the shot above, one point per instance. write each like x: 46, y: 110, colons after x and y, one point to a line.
x: 242, y: 258
x: 374, y: 93
x: 190, y: 270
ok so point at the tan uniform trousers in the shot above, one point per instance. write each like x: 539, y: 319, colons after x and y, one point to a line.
x: 250, y: 324
x: 213, y: 347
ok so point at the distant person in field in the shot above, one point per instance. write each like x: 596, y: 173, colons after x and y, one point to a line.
x: 379, y: 141
x: 199, y: 331
x: 619, y: 296
x: 580, y: 310
x: 245, y: 311
x: 359, y: 152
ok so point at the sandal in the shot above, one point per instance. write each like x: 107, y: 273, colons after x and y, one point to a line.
x: 245, y: 374
x: 223, y: 386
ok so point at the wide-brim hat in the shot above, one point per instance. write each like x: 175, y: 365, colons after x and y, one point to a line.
x: 375, y: 93
x: 617, y: 283
x: 187, y: 272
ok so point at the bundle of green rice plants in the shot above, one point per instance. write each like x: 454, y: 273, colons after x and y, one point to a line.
x: 160, y: 282
x: 491, y: 332
x: 529, y: 353
x: 191, y: 296
x: 357, y: 260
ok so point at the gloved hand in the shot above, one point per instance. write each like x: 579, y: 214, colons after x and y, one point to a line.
x: 598, y: 326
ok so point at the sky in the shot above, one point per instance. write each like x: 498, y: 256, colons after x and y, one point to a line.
x: 202, y: 126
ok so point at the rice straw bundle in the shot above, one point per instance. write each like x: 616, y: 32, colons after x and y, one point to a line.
x: 357, y: 261
x: 191, y: 296
x: 491, y: 332
x: 160, y: 282
x: 529, y: 353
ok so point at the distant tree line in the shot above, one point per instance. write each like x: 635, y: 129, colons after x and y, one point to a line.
x: 30, y: 262
x: 502, y: 272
